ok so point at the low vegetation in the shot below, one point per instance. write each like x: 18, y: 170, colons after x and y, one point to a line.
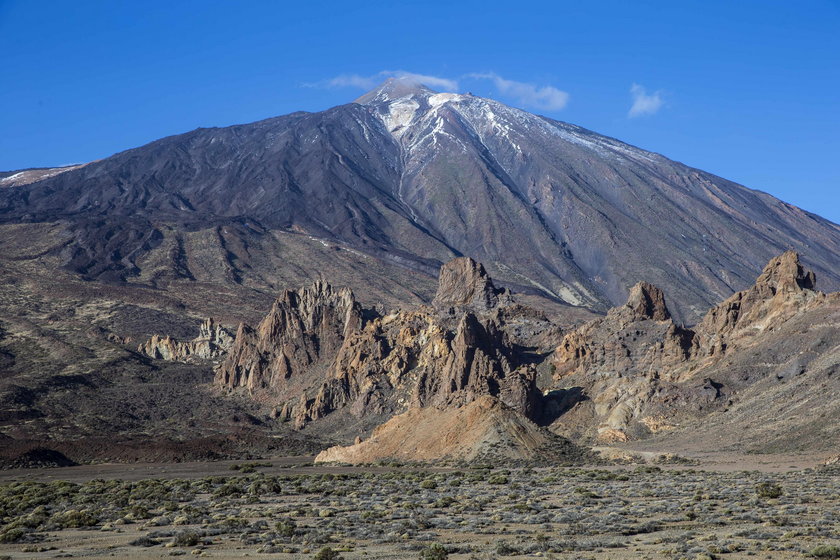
x: 467, y: 513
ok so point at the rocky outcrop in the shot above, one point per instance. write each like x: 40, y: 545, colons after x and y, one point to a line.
x: 782, y: 290
x: 483, y: 429
x: 636, y: 337
x: 409, y: 359
x: 646, y: 301
x: 638, y: 373
x: 212, y: 343
x: 291, y: 349
x: 620, y: 360
x: 313, y: 355
x: 463, y: 284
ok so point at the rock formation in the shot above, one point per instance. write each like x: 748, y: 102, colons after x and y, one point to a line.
x: 409, y: 359
x: 464, y: 284
x: 313, y: 354
x: 484, y: 428
x: 292, y: 347
x: 212, y: 342
x: 637, y: 372
x: 782, y: 290
x: 638, y: 336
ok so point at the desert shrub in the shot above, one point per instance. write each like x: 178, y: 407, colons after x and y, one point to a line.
x: 286, y: 528
x: 428, y: 484
x: 327, y: 553
x: 768, y: 490
x: 139, y: 512
x: 498, y: 479
x: 435, y: 551
x: 227, y: 490
x: 586, y: 493
x: 825, y: 551
x: 186, y: 538
x: 445, y: 501
x: 75, y: 519
x: 12, y: 535
x: 505, y: 549
x: 233, y: 523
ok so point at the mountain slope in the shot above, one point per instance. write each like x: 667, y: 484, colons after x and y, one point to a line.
x: 415, y: 177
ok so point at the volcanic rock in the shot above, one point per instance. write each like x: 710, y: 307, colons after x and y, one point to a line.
x: 646, y: 301
x: 637, y: 370
x: 314, y: 355
x: 464, y: 284
x: 638, y: 336
x: 409, y: 359
x: 294, y: 344
x: 212, y: 342
x: 619, y: 359
x: 782, y: 290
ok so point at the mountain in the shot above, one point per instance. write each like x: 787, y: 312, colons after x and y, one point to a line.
x: 403, y: 179
x: 109, y: 271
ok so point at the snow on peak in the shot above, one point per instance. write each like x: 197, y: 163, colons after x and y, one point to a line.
x: 400, y: 114
x: 439, y: 99
x: 392, y: 89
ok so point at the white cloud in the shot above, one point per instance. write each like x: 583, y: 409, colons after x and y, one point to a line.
x: 370, y: 82
x: 432, y: 81
x: 644, y: 103
x: 351, y: 80
x: 547, y: 98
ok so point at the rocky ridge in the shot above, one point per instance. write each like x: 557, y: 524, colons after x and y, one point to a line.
x: 637, y: 372
x: 313, y: 363
x: 318, y: 357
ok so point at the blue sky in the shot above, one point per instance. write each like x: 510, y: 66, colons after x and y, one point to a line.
x: 749, y: 90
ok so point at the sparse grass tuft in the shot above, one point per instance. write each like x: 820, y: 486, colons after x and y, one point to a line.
x: 768, y: 490
x: 825, y: 551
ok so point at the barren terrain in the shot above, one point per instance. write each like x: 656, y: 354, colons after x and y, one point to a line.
x: 287, y: 508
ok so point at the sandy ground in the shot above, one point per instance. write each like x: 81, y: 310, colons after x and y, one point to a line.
x: 704, y: 460
x: 187, y: 470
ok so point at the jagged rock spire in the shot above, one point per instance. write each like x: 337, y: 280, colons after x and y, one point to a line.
x: 303, y: 329
x: 647, y: 301
x: 464, y: 283
x: 786, y: 274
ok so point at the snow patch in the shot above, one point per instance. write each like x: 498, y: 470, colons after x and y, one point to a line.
x: 439, y: 99
x: 400, y: 114
x: 11, y: 178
